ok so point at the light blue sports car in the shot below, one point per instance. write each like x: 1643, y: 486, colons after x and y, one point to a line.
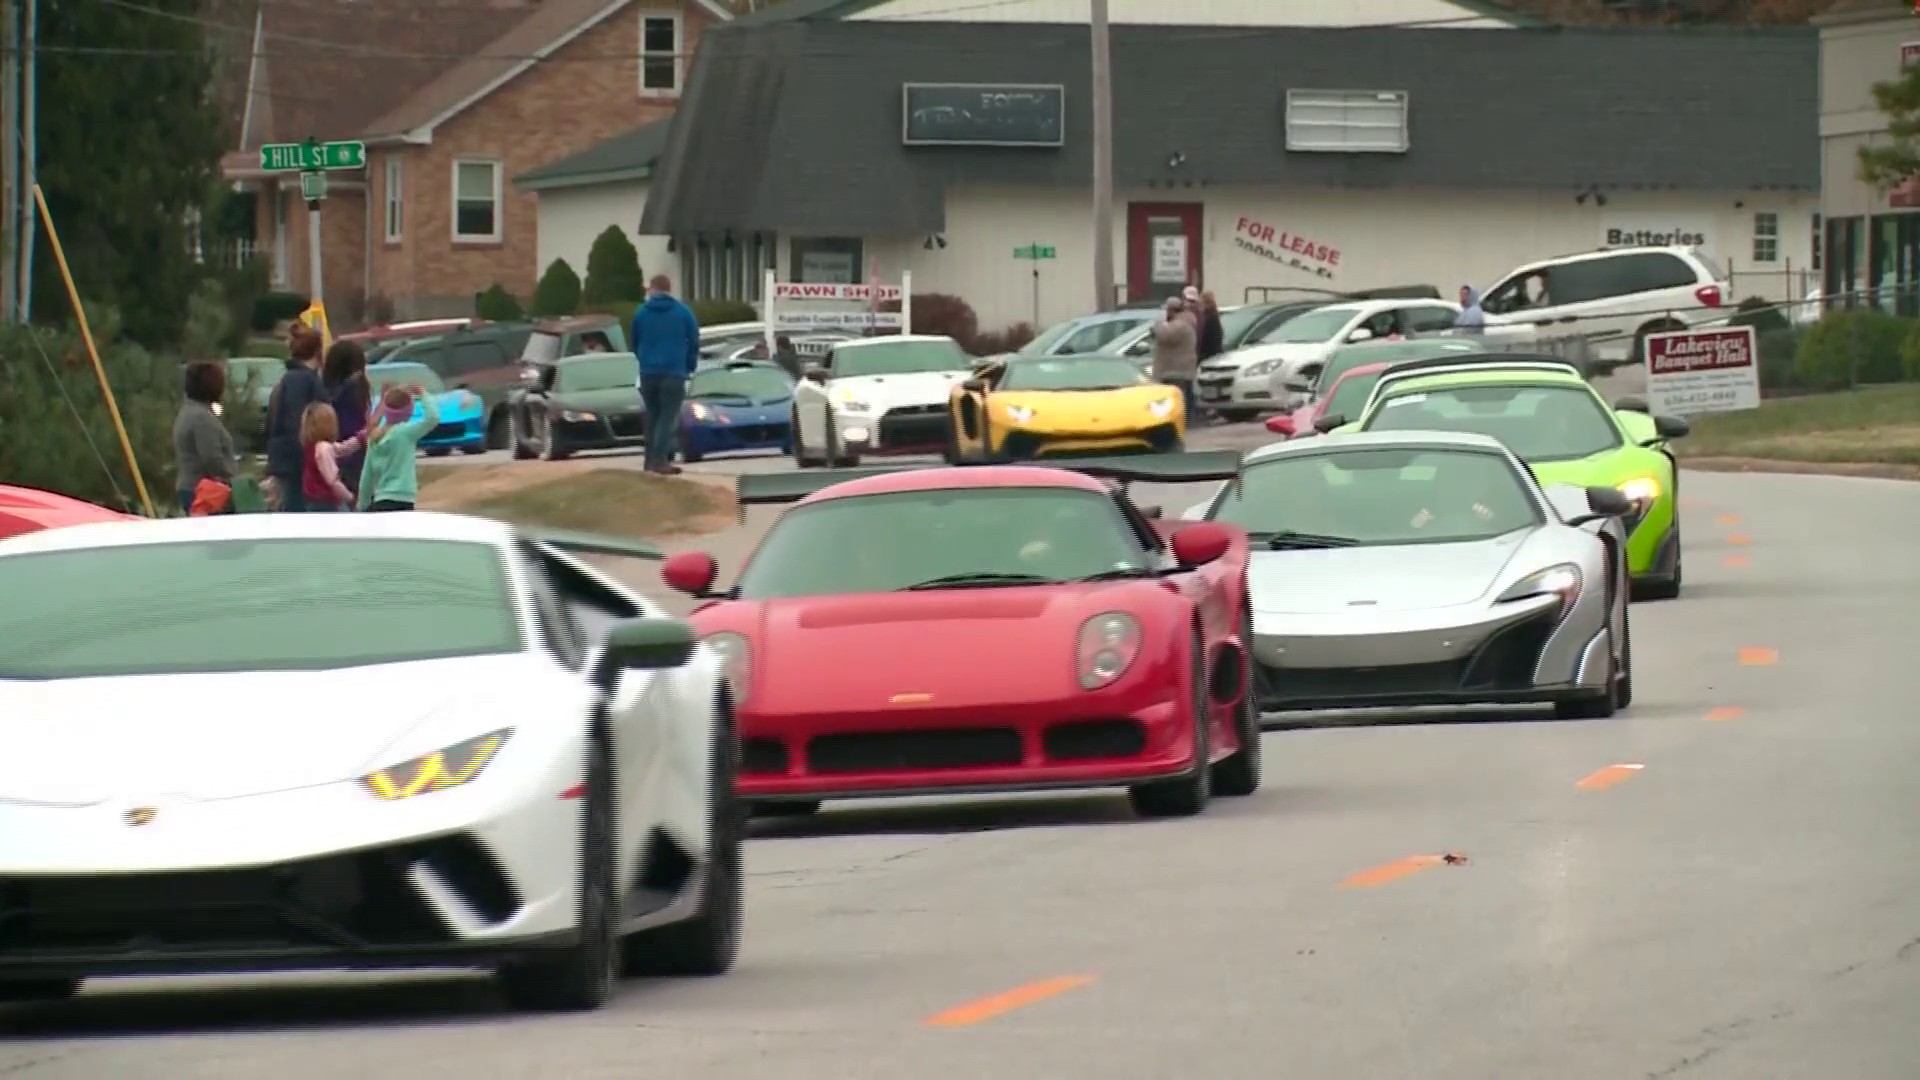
x: 463, y: 420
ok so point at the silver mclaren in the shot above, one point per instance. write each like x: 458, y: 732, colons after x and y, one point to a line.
x: 1410, y: 568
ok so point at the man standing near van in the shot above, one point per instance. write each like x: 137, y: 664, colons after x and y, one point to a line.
x: 666, y: 337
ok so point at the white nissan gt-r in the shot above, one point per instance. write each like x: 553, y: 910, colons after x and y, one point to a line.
x: 878, y: 395
x: 272, y: 742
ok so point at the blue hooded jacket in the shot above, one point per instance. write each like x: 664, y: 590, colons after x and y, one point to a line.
x: 666, y: 337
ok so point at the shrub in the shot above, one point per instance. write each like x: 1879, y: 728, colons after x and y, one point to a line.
x: 941, y: 313
x: 1777, y: 349
x: 497, y: 305
x: 558, y: 292
x: 274, y: 308
x: 1761, y: 314
x: 613, y: 269
x: 1849, y: 347
x: 721, y: 312
x: 992, y: 342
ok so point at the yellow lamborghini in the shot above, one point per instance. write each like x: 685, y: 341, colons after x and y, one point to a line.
x: 1024, y: 407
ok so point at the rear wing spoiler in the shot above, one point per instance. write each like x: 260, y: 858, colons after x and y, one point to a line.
x: 582, y: 543
x: 1193, y: 467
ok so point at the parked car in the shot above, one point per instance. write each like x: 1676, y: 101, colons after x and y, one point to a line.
x: 738, y: 405
x: 878, y: 395
x: 1624, y: 293
x: 402, y: 331
x: 483, y: 359
x: 1086, y: 334
x: 462, y: 425
x: 25, y: 510
x: 587, y: 401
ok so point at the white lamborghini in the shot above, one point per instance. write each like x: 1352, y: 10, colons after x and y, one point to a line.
x: 875, y: 395
x: 272, y: 742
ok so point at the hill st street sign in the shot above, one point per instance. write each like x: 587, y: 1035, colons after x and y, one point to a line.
x: 1033, y: 251
x: 310, y: 156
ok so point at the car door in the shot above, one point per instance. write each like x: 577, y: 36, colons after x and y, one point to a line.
x: 1429, y: 318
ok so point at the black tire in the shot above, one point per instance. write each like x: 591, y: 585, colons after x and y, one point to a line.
x: 481, y: 449
x: 1623, y: 692
x: 689, y: 455
x: 517, y: 439
x: 784, y: 809
x: 30, y: 991
x: 1183, y: 796
x: 437, y: 451
x: 1592, y: 706
x: 1239, y: 773
x: 1237, y: 416
x: 581, y: 976
x: 1669, y: 589
x: 550, y: 447
x: 708, y: 943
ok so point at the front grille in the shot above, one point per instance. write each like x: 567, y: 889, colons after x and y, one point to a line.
x: 630, y: 426
x: 448, y: 431
x: 345, y: 902
x: 918, y: 425
x: 1093, y: 740
x: 1398, y: 680
x: 760, y: 432
x: 1508, y: 659
x: 883, y: 751
x: 763, y: 757
x: 1023, y: 446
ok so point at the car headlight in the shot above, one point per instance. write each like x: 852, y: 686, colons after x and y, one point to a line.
x: 700, y: 412
x: 1264, y: 367
x: 1562, y: 581
x: 572, y: 417
x: 1019, y: 414
x: 735, y: 660
x: 853, y: 404
x: 438, y: 771
x: 1642, y: 490
x: 1108, y: 645
x: 1161, y: 408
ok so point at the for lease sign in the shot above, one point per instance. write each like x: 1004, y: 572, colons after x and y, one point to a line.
x: 1702, y: 371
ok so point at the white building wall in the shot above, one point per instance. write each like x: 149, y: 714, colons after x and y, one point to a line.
x: 1855, y: 53
x: 1194, y: 13
x: 1382, y: 238
x: 570, y: 217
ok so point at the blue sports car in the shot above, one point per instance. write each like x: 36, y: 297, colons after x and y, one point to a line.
x: 463, y: 420
x: 739, y: 405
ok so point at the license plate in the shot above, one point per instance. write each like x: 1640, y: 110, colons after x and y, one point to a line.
x: 1213, y: 393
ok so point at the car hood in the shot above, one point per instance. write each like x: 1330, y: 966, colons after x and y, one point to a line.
x: 971, y: 647
x: 884, y: 391
x: 612, y: 399
x: 1405, y: 577
x: 81, y: 742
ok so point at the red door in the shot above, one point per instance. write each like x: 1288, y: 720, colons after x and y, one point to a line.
x: 1163, y: 249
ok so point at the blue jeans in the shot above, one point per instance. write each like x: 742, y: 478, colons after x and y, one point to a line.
x: 293, y: 500
x: 662, y: 396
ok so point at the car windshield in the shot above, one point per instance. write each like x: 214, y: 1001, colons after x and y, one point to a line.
x: 1082, y: 373
x: 899, y: 358
x: 601, y: 371
x: 1235, y: 324
x: 1538, y: 423
x: 892, y: 541
x: 1053, y: 336
x: 403, y: 374
x: 1380, y: 496
x: 542, y: 347
x: 1350, y: 395
x: 751, y: 383
x: 1348, y: 357
x: 251, y: 605
x: 1313, y: 328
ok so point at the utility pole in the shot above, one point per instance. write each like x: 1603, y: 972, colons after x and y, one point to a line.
x: 1102, y: 79
x: 15, y: 195
x: 29, y: 155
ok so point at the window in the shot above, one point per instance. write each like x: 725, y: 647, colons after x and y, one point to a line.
x: 1538, y: 423
x: 476, y: 201
x: 1817, y: 241
x: 396, y: 196
x: 1382, y: 497
x: 660, y: 62
x: 1347, y: 121
x: 827, y: 260
x: 1766, y: 237
x: 1427, y: 318
x: 469, y: 357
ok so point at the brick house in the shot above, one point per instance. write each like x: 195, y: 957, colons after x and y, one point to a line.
x: 452, y: 98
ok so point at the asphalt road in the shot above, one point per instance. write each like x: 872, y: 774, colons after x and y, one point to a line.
x: 1719, y: 883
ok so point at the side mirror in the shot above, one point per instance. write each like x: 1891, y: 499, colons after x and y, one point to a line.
x: 1328, y: 423
x: 974, y: 386
x: 1631, y: 404
x: 1200, y: 543
x: 1281, y: 425
x: 1153, y: 512
x: 1362, y: 334
x: 1671, y: 427
x: 650, y: 643
x: 690, y: 572
x: 1604, y: 502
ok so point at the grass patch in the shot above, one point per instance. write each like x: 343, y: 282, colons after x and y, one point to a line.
x: 578, y: 495
x: 1877, y: 425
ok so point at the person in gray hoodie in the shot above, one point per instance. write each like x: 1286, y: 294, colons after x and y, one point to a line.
x: 1176, y: 357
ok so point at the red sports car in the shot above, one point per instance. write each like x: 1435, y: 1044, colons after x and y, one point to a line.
x: 935, y: 630
x: 1345, y: 399
x: 25, y: 510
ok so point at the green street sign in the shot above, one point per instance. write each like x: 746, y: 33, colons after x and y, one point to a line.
x: 313, y: 186
x: 1033, y: 251
x: 309, y: 156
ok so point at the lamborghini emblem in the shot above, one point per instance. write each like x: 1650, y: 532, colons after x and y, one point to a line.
x: 139, y: 815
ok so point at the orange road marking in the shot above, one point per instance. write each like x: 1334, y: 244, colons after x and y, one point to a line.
x: 1019, y: 997
x: 1737, y: 560
x: 1728, y: 519
x: 1601, y: 779
x: 1758, y: 656
x: 1739, y: 539
x: 1725, y: 713
x: 1393, y: 871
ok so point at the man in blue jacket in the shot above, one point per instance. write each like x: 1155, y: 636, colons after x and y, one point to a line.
x: 666, y: 337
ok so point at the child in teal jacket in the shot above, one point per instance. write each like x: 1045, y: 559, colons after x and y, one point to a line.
x: 389, y: 481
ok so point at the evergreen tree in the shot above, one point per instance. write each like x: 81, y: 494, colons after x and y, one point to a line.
x: 558, y: 292
x: 613, y: 270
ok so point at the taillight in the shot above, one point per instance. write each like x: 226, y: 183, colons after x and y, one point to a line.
x: 1108, y: 645
x: 1708, y: 295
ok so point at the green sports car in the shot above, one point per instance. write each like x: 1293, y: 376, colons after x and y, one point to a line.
x: 1556, y: 422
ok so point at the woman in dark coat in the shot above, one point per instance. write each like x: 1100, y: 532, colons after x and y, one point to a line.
x: 344, y: 375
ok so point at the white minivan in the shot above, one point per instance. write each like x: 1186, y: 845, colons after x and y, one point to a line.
x: 1617, y: 296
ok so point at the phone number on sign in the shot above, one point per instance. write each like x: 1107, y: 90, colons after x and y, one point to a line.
x: 1701, y: 400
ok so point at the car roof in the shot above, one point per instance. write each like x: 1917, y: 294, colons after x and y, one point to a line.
x: 573, y: 322
x: 960, y: 479
x: 1486, y: 373
x: 1364, y: 369
x: 856, y: 343
x: 419, y: 525
x: 1362, y: 440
